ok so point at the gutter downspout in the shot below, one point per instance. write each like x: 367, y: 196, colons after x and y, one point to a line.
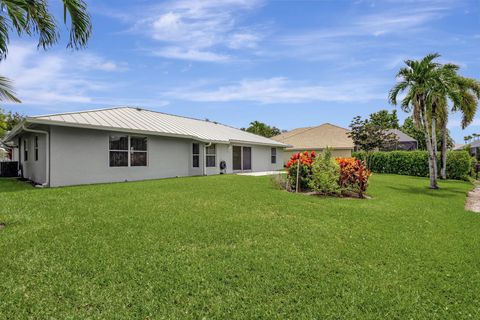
x: 47, y: 153
x: 205, y: 146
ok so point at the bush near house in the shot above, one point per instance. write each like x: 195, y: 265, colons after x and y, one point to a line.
x: 353, y: 175
x: 325, y: 175
x: 305, y: 160
x: 415, y: 163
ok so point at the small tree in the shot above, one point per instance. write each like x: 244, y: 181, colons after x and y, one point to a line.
x: 262, y: 129
x: 325, y: 174
x: 385, y: 120
x: 8, y: 120
x: 369, y: 137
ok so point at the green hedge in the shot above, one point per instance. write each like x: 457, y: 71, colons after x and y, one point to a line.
x: 415, y: 163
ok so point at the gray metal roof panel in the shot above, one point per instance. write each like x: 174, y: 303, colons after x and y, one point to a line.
x: 156, y: 122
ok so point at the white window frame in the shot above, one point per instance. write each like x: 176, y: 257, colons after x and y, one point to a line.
x: 241, y: 158
x: 273, y: 155
x: 196, y: 154
x: 129, y: 150
x: 211, y: 155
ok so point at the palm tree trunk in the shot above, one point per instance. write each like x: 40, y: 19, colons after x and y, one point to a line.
x: 431, y: 155
x: 443, y: 171
x: 434, y: 148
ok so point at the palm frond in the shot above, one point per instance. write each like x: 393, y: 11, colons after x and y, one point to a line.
x: 6, y: 90
x: 81, y: 26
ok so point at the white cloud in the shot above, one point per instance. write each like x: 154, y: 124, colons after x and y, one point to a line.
x: 196, y: 30
x: 281, y: 90
x: 93, y: 62
x: 42, y: 78
x: 190, y: 54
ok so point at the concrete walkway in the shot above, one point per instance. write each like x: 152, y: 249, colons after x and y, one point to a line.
x: 473, y: 200
x: 261, y: 173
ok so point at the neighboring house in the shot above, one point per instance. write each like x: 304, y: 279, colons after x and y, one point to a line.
x: 317, y: 139
x: 473, y: 146
x: 405, y: 142
x: 124, y: 143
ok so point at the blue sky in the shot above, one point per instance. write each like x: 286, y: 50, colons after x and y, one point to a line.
x: 286, y: 63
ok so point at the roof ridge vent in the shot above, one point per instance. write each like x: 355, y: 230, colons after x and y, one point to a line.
x: 138, y: 109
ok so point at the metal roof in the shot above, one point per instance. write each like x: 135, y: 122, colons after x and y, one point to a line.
x: 402, y: 137
x: 130, y: 119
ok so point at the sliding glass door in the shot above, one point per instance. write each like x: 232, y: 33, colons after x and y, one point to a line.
x: 237, y: 158
x: 247, y: 158
x: 242, y: 158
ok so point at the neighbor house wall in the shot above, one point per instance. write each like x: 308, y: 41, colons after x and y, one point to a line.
x: 81, y: 156
x: 336, y: 153
x: 32, y: 169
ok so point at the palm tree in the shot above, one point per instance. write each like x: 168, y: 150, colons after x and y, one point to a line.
x: 33, y: 18
x: 464, y: 93
x: 419, y: 77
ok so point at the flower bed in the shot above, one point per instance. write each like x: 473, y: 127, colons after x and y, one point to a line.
x: 321, y: 174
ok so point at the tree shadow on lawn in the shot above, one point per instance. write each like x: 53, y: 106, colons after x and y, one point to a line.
x: 443, y: 192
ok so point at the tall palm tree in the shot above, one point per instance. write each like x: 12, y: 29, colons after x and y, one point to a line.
x: 418, y: 79
x: 464, y: 94
x: 33, y: 18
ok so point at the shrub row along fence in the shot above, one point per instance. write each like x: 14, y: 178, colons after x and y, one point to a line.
x: 460, y: 165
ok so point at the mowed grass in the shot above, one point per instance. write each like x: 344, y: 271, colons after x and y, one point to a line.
x: 234, y: 247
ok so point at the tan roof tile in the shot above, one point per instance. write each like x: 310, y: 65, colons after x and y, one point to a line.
x: 319, y: 137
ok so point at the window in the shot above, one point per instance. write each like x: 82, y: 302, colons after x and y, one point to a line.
x: 211, y: 155
x: 25, y: 150
x: 273, y: 154
x: 36, y: 148
x: 118, y: 151
x: 138, y: 151
x: 195, y: 155
x: 120, y: 156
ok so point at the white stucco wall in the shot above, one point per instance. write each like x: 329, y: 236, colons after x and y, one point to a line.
x: 81, y: 156
x: 34, y: 170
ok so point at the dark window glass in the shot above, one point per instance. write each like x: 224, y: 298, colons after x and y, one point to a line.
x: 118, y: 159
x: 237, y: 158
x: 211, y: 155
x: 118, y: 142
x: 36, y: 148
x: 25, y: 150
x: 196, y: 155
x: 210, y: 161
x: 274, y: 155
x: 138, y: 159
x: 138, y: 143
x: 196, y: 148
x: 196, y: 161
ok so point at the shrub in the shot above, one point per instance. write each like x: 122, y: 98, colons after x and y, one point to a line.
x: 279, y: 181
x: 415, y: 163
x: 459, y: 165
x: 325, y: 174
x: 353, y: 175
x: 306, y: 160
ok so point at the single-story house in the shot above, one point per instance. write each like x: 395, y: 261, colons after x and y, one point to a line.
x: 473, y: 146
x: 125, y: 143
x: 404, y: 142
x: 317, y: 139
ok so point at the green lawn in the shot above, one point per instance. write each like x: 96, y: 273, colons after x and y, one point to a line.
x: 233, y: 247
